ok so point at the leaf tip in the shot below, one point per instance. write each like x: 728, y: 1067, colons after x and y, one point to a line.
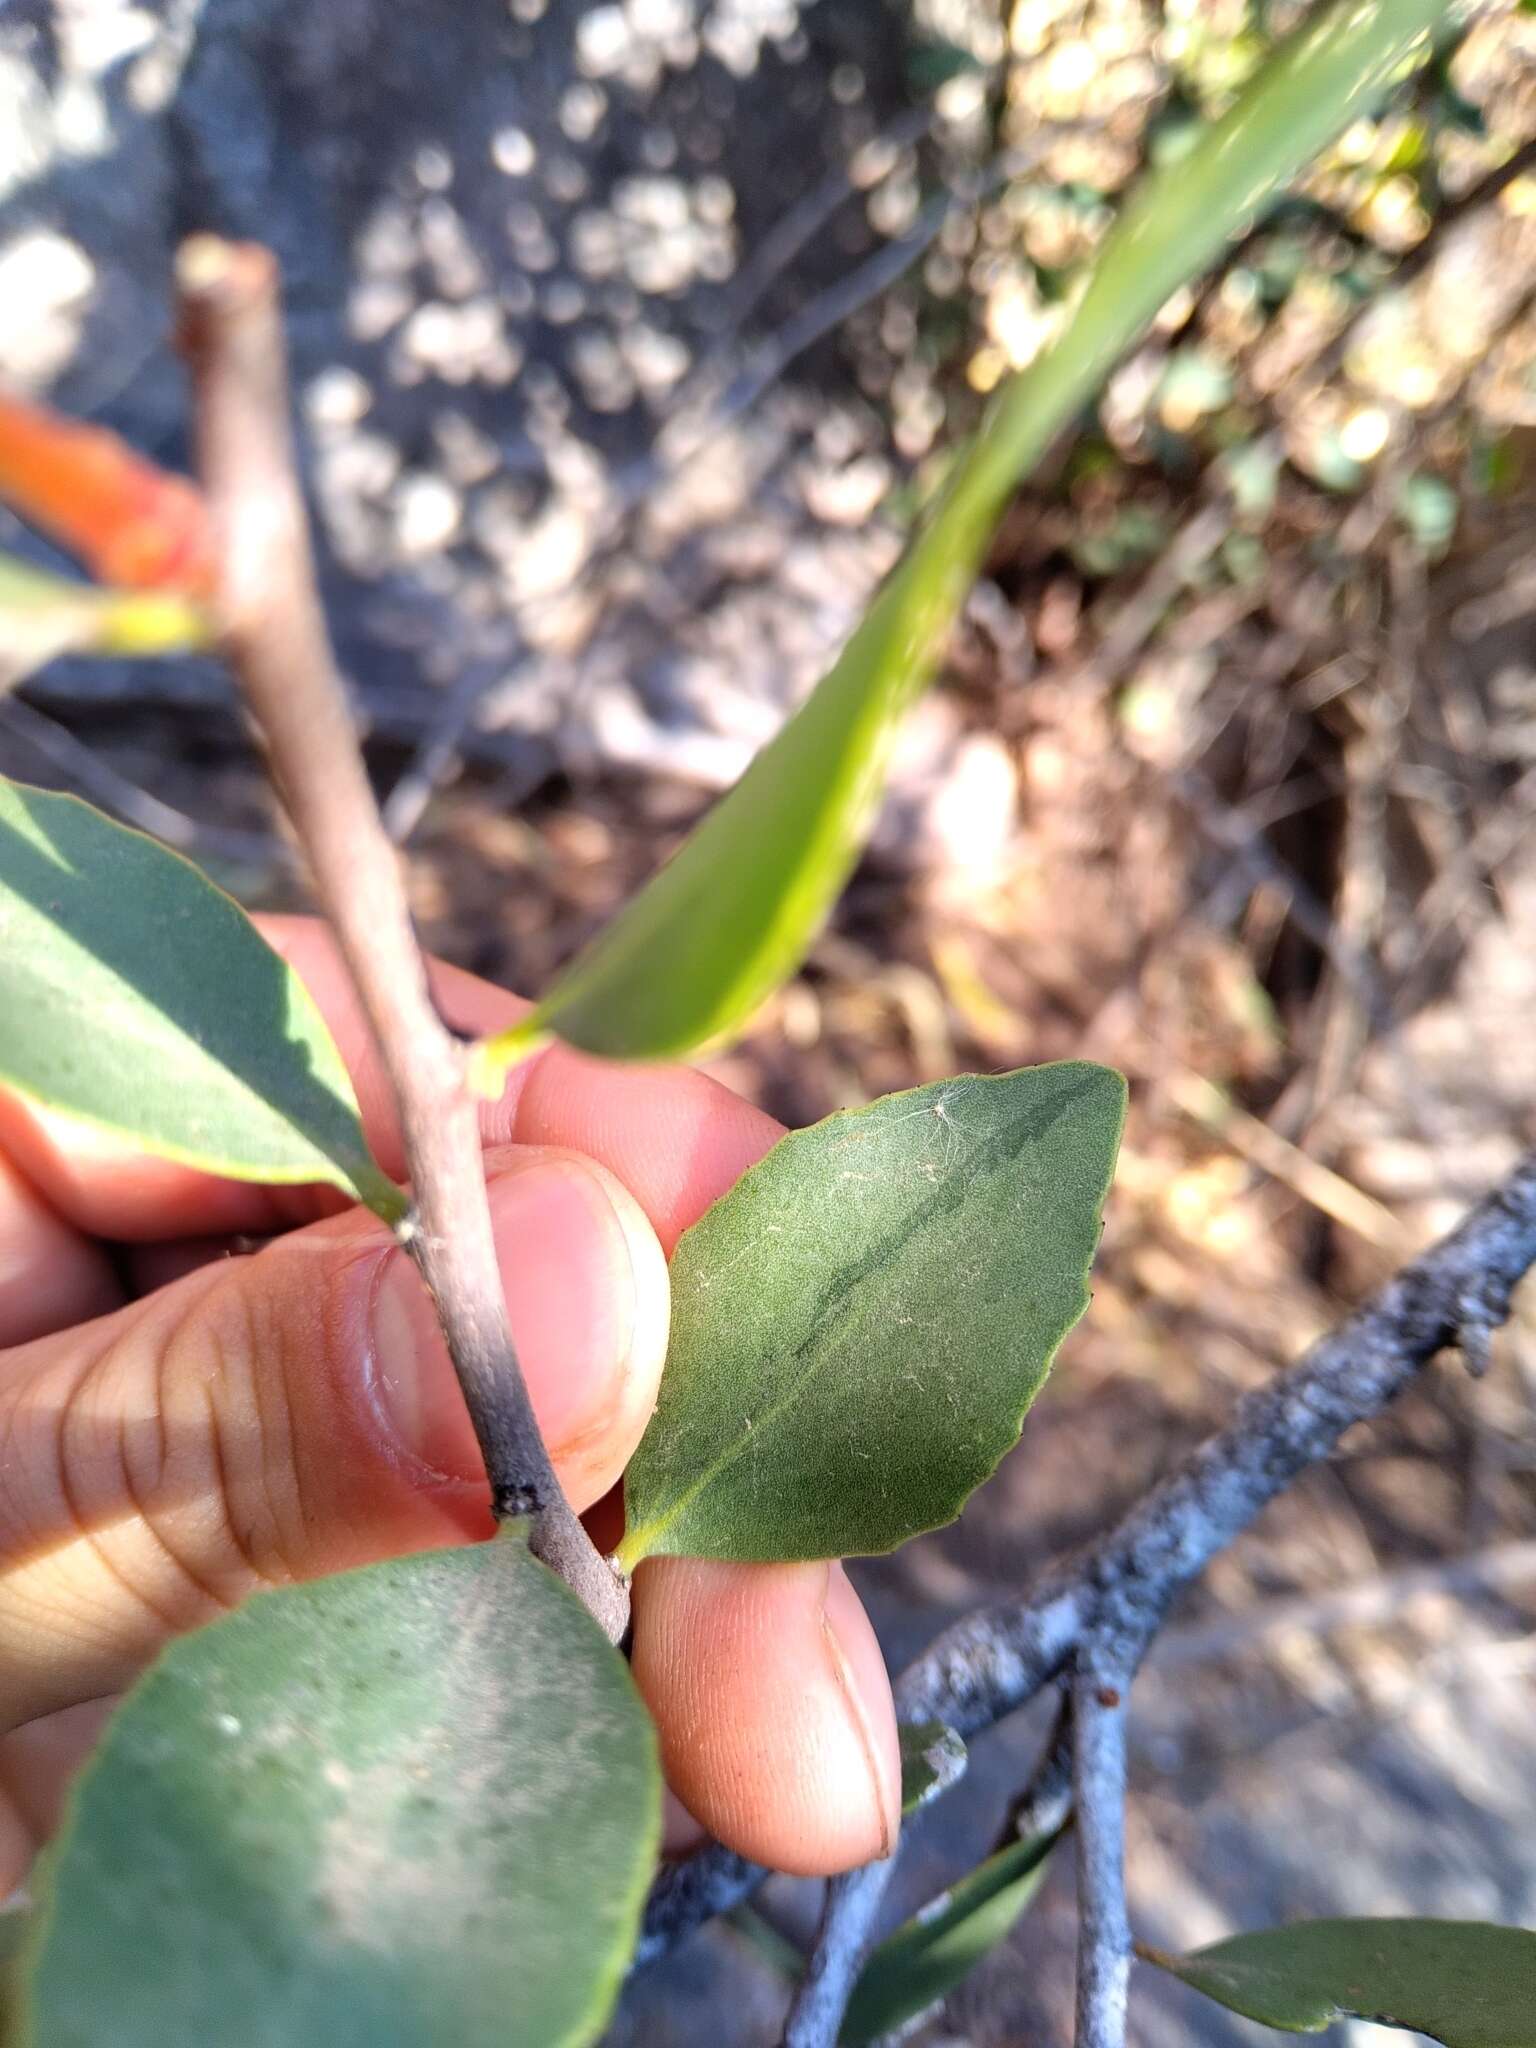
x: 491, y: 1060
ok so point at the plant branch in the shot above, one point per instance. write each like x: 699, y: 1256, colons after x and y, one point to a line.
x: 1103, y: 1925
x: 275, y: 637
x: 1457, y: 1292
x: 692, y: 1891
x: 847, y: 1924
x: 1045, y: 1804
x: 1114, y: 1594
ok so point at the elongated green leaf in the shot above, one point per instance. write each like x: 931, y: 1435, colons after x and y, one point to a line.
x: 859, y: 1326
x: 1463, y: 1982
x: 766, y: 1942
x: 933, y: 1758
x: 923, y: 1961
x: 733, y: 912
x: 136, y: 995
x: 43, y: 616
x: 415, y: 1806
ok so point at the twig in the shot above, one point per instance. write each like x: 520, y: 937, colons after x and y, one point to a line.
x: 854, y: 1900
x: 796, y: 226
x: 1327, y: 1191
x: 847, y: 1922
x: 1458, y: 1291
x: 275, y: 636
x: 829, y: 309
x: 439, y: 752
x: 197, y: 688
x: 1103, y: 1925
x: 1137, y: 618
x: 1490, y: 846
x: 1115, y: 1595
x: 90, y: 771
x: 1227, y: 827
x: 1117, y: 1591
x: 688, y: 1893
x: 1045, y: 1804
x: 1139, y: 615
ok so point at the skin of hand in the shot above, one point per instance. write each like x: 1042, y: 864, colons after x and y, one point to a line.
x: 183, y: 1423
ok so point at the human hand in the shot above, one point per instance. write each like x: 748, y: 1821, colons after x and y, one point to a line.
x: 182, y: 1423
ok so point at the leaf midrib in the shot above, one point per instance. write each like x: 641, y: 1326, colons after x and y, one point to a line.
x: 948, y: 1193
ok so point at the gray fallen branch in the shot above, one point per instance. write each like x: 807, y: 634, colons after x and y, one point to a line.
x: 816, y: 2011
x: 1458, y: 1292
x: 687, y: 1893
x: 1107, y: 1603
x: 1098, y: 1781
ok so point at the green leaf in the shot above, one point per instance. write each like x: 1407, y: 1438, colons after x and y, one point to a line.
x: 1463, y: 1982
x: 137, y: 996
x: 733, y: 913
x: 766, y: 1942
x: 15, y: 1930
x: 415, y: 1806
x: 932, y: 61
x: 859, y: 1326
x: 1429, y: 509
x: 1251, y: 472
x: 933, y: 1758
x: 43, y: 616
x: 923, y: 1961
x: 15, y: 1927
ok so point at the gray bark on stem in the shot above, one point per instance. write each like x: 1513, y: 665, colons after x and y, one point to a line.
x: 1120, y: 1587
x: 1103, y: 1925
x: 275, y: 637
x: 847, y: 1927
x: 1109, y: 1601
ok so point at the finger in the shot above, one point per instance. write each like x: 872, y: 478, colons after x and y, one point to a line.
x: 777, y: 1728
x: 105, y: 1187
x: 148, y: 1266
x: 37, y: 1763
x: 675, y: 1138
x: 108, y: 1187
x: 50, y: 1276
x: 293, y: 1413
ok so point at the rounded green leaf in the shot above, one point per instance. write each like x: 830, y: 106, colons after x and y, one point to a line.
x: 859, y: 1326
x: 732, y: 914
x: 1463, y: 1982
x: 137, y: 996
x: 415, y: 1806
x: 926, y: 1959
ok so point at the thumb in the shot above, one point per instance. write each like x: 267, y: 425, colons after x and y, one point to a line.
x: 292, y: 1413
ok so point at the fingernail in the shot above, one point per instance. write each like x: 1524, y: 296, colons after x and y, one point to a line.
x: 412, y: 1381
x: 565, y: 1263
x: 859, y: 1667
